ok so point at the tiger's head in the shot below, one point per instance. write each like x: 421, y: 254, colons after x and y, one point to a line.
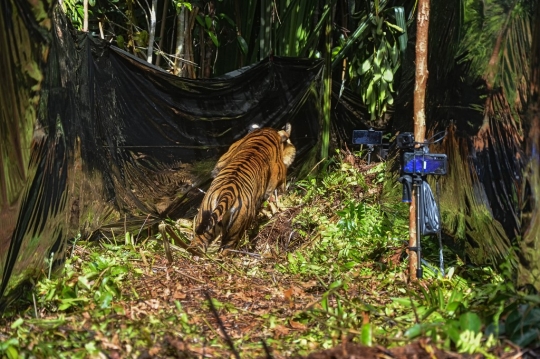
x: 289, y: 151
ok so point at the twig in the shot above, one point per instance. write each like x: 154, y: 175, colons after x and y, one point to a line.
x: 140, y: 229
x: 266, y: 349
x: 221, y: 326
x: 190, y: 277
x: 254, y: 255
x: 35, y: 304
x: 51, y: 258
x: 163, y: 230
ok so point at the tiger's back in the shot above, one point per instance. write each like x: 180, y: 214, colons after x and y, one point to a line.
x: 245, y: 176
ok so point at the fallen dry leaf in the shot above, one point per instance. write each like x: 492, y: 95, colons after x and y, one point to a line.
x: 281, y: 330
x: 297, y: 325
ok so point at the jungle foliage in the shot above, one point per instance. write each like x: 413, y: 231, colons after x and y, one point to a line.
x: 328, y: 269
x: 340, y: 270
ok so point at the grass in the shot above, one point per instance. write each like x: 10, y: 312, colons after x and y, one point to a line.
x: 329, y: 268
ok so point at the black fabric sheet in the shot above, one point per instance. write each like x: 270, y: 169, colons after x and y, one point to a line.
x: 117, y: 138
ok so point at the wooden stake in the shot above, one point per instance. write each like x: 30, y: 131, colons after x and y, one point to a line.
x: 422, y: 26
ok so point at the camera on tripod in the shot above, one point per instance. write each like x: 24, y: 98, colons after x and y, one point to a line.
x: 416, y: 164
x: 405, y: 141
x: 418, y: 160
x: 371, y: 138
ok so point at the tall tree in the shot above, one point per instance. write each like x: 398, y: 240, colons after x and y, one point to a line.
x: 422, y: 27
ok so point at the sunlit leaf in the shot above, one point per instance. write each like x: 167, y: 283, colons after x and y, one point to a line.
x: 105, y: 300
x: 12, y: 352
x: 367, y: 336
x: 17, y: 323
x: 214, y: 38
x: 388, y: 76
x: 83, y: 282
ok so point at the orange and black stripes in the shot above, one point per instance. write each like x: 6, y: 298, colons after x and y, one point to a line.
x: 244, y: 177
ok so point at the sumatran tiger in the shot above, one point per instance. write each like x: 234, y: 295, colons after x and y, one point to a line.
x: 244, y: 177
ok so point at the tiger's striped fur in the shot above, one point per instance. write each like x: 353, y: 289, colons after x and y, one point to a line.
x: 244, y: 177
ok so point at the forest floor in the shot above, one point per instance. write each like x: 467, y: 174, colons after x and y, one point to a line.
x: 326, y: 277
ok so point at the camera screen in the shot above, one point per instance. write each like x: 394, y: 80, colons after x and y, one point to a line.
x: 425, y: 163
x: 367, y: 137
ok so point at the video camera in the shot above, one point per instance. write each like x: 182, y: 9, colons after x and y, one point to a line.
x: 418, y: 160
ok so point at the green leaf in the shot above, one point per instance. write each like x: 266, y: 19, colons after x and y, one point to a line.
x: 366, y: 65
x: 470, y: 321
x: 118, y: 270
x: 406, y: 302
x: 214, y: 38
x: 106, y: 300
x: 394, y: 53
x: 12, y: 352
x: 324, y: 303
x: 82, y: 281
x: 208, y: 21
x: 388, y: 76
x: 243, y: 44
x: 415, y: 331
x: 335, y: 285
x: 367, y: 336
x: 200, y: 20
x: 120, y: 41
x: 452, y: 306
x: 70, y: 302
x: 17, y: 323
x: 534, y: 298
x: 528, y: 337
x: 428, y: 313
x: 228, y: 19
x: 395, y: 27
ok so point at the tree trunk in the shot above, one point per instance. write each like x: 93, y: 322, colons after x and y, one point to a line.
x: 190, y: 68
x: 85, y: 20
x: 180, y: 40
x: 422, y: 26
x: 152, y: 35
x: 162, y: 32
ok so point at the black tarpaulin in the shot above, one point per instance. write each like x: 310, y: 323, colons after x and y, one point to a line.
x: 116, y: 137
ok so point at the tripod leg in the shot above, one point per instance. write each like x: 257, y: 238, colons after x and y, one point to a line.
x: 419, y: 210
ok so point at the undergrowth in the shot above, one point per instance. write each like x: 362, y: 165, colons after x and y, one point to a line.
x: 345, y: 281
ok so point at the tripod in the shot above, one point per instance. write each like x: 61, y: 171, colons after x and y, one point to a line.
x: 426, y: 212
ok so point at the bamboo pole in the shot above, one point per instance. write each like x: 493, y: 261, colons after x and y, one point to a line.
x: 422, y: 26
